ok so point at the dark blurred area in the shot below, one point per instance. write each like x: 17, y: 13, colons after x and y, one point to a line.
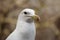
x: 48, y: 10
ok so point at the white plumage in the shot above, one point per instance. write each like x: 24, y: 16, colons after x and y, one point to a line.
x: 25, y: 28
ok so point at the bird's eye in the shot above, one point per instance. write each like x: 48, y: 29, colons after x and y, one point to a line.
x: 25, y: 12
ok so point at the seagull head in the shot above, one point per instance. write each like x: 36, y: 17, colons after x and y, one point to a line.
x: 28, y: 15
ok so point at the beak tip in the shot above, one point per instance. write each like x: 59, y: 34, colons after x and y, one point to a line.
x: 37, y: 18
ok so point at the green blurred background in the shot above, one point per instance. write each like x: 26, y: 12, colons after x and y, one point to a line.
x: 48, y: 10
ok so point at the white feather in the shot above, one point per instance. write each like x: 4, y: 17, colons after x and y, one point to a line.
x: 24, y: 30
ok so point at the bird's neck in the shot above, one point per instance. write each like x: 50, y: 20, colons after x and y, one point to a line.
x: 24, y: 31
x: 22, y: 24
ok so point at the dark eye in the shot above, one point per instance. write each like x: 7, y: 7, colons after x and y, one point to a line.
x: 25, y: 12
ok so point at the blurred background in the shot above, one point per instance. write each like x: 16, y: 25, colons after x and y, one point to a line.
x: 48, y: 10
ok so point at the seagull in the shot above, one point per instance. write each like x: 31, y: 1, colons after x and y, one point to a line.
x: 25, y: 27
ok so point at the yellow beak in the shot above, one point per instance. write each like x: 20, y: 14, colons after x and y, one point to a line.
x: 36, y: 18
